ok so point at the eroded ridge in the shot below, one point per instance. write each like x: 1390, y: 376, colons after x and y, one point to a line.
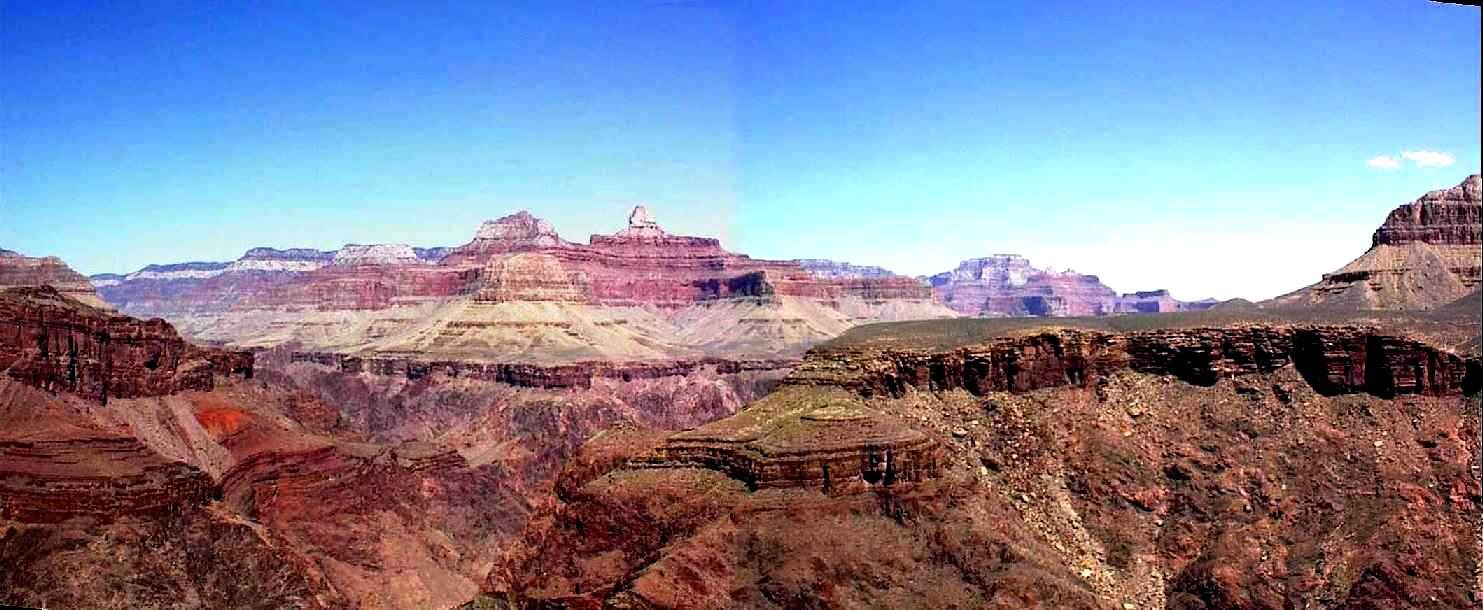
x: 50, y: 480
x: 53, y: 342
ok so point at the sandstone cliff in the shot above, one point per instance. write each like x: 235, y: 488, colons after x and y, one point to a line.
x: 838, y: 270
x: 520, y: 293
x: 1426, y: 254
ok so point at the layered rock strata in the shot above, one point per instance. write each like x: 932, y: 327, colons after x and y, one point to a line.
x: 1334, y: 359
x: 835, y: 444
x: 1059, y: 469
x: 518, y: 232
x: 19, y: 270
x: 518, y: 292
x: 378, y: 254
x: 50, y: 341
x: 1426, y: 254
x: 1007, y: 285
x: 54, y: 479
x: 575, y: 375
x: 1447, y: 217
x: 836, y: 270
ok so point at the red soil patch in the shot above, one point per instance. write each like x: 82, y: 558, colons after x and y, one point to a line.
x: 219, y: 417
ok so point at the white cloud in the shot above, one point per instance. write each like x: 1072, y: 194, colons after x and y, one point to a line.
x: 1427, y: 158
x: 1384, y: 162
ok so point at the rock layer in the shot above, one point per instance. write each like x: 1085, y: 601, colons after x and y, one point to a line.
x: 575, y: 375
x: 795, y: 439
x: 518, y: 292
x: 1445, y: 217
x: 52, y: 342
x: 50, y: 480
x: 1006, y: 285
x: 1334, y: 359
x: 17, y: 270
x: 1426, y: 254
x: 1059, y: 469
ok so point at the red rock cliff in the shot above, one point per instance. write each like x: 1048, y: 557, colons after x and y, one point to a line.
x: 1334, y: 360
x: 55, y: 343
x: 1441, y: 217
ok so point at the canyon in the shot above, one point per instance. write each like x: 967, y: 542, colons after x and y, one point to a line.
x: 17, y: 270
x: 648, y: 420
x: 519, y: 293
x: 223, y: 478
x: 1061, y: 468
x: 56, y: 343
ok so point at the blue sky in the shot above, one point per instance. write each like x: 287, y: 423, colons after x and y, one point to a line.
x: 1211, y: 149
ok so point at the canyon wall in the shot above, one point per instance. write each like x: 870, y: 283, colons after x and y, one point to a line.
x: 518, y: 292
x: 1334, y: 359
x: 20, y: 270
x: 1066, y: 468
x: 55, y: 343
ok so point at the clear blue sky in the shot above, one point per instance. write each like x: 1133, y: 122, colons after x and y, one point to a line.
x: 1213, y: 149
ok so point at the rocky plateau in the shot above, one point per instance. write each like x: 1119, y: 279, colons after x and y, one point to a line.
x: 520, y: 293
x: 202, y: 477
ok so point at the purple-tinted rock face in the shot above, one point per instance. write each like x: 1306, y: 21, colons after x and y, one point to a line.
x: 1426, y: 254
x: 1008, y: 285
x: 17, y: 270
x: 836, y: 270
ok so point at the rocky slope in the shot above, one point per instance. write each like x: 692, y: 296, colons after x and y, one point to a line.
x: 1059, y: 468
x: 176, y: 291
x: 1008, y: 285
x: 1426, y: 254
x: 19, y: 270
x: 96, y: 509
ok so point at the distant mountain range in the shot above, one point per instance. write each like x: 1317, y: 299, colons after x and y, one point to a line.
x: 519, y: 291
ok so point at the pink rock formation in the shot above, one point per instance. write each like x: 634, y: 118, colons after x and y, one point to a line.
x: 518, y: 232
x: 532, y: 277
x: 1006, y: 285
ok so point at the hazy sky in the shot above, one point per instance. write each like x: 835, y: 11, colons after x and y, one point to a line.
x: 1213, y: 149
